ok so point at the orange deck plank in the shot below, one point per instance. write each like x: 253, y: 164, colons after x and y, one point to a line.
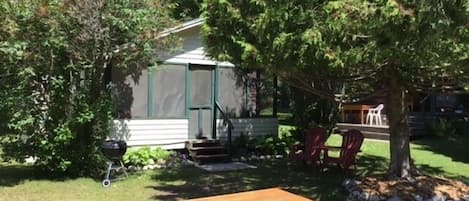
x: 271, y: 194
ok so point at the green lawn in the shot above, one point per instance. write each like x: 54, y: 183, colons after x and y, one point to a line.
x: 433, y: 156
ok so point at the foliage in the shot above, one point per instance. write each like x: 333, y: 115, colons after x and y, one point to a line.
x: 145, y: 156
x: 310, y: 111
x: 186, y: 9
x: 348, y: 47
x: 442, y: 127
x: 56, y: 61
x: 275, y: 145
x: 260, y: 145
x: 449, y: 127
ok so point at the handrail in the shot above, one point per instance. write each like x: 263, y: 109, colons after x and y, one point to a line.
x: 228, y: 121
x: 223, y: 114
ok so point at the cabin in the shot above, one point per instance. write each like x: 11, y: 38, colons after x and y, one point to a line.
x: 189, y: 96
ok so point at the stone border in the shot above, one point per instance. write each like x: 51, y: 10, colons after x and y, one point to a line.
x: 257, y: 158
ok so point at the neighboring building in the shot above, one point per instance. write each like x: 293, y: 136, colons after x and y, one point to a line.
x: 178, y: 100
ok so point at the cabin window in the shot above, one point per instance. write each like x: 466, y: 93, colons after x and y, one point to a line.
x: 168, y: 92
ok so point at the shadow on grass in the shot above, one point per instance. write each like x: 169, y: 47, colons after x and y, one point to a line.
x: 455, y: 147
x: 376, y: 165
x: 187, y: 183
x: 15, y: 174
x: 191, y: 182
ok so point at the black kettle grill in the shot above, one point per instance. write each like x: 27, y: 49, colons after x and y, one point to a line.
x: 113, y: 150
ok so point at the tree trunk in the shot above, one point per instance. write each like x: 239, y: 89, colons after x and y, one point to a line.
x: 400, y: 165
x: 275, y: 96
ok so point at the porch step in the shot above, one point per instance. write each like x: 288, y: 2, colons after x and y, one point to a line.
x: 206, y: 148
x: 202, y: 143
x: 207, y: 151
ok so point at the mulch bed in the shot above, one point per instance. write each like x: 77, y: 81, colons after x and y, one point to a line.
x: 421, y: 188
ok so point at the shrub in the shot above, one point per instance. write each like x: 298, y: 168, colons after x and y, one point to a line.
x: 272, y: 145
x: 145, y: 156
x: 56, y: 103
x: 461, y: 126
x: 442, y: 127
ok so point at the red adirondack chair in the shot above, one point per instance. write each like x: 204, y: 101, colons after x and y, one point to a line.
x: 352, y: 140
x: 314, y: 137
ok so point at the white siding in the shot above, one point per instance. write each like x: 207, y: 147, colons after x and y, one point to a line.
x: 192, y: 50
x: 166, y: 133
x: 251, y: 127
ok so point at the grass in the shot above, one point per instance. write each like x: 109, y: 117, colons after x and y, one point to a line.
x: 435, y: 156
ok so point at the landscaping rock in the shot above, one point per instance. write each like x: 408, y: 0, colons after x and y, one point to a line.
x: 132, y: 168
x: 262, y: 157
x: 350, y: 198
x: 364, y: 196
x: 161, y: 161
x: 186, y: 163
x: 395, y: 198
x: 418, y: 198
x: 349, y: 184
x: 438, y: 198
x: 278, y: 156
x: 356, y: 194
x: 374, y: 198
x: 243, y: 159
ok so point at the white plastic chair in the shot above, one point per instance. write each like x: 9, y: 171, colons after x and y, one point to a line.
x: 375, y: 114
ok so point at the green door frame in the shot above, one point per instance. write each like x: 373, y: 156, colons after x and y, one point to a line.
x: 211, y: 106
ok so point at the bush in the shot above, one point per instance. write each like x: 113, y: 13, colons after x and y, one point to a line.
x: 461, y: 126
x: 261, y: 145
x: 447, y: 127
x: 145, y: 156
x: 272, y: 145
x: 56, y: 99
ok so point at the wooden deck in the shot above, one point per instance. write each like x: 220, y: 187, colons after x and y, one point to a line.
x: 417, y: 127
x: 369, y: 131
x: 271, y: 194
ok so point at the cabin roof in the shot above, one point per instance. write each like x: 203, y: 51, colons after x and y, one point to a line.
x: 182, y: 27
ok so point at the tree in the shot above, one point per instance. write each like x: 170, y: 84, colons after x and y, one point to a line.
x: 56, y: 59
x: 187, y: 9
x: 358, y: 46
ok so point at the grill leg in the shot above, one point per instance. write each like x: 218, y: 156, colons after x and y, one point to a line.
x: 124, y: 169
x: 107, y: 182
x: 109, y: 168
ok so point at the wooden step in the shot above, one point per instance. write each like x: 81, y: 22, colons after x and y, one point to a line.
x: 205, y: 148
x: 207, y: 151
x: 202, y: 143
x: 212, y: 156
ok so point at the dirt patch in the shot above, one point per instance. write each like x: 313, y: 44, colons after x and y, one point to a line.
x: 423, y: 186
